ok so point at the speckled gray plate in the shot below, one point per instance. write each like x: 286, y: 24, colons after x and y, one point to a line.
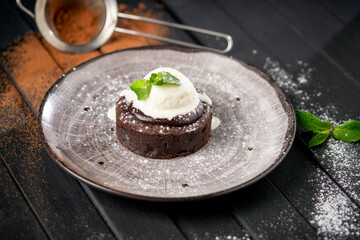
x: 256, y: 132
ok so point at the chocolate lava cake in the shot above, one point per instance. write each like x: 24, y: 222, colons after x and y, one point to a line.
x: 162, y: 138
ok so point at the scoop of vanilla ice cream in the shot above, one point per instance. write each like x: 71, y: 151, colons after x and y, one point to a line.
x: 167, y: 101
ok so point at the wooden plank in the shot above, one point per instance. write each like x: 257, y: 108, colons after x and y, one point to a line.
x: 266, y: 214
x: 315, y: 196
x: 344, y: 10
x: 56, y: 197
x: 133, y: 219
x: 9, y: 19
x: 60, y: 204
x: 181, y: 9
x: 320, y: 92
x: 315, y: 25
x: 16, y: 218
x: 291, y: 85
x: 207, y: 219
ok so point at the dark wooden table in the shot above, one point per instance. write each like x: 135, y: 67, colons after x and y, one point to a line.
x: 310, y: 48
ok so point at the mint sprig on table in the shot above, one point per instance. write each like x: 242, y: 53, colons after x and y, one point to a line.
x: 142, y: 87
x: 348, y: 132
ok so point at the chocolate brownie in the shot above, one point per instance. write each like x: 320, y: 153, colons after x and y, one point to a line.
x: 162, y: 138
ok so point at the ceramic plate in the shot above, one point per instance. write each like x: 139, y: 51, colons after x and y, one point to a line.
x: 256, y: 131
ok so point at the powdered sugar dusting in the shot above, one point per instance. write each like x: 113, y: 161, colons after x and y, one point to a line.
x: 292, y: 84
x: 231, y: 237
x: 334, y: 215
x: 343, y: 160
x: 331, y: 212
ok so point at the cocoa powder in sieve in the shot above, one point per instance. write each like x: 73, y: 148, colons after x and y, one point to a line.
x: 76, y: 25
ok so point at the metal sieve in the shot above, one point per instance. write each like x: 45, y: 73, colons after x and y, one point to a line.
x: 107, y: 13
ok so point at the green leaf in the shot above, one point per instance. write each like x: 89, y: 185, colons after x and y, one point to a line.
x: 348, y: 132
x: 153, y: 78
x: 310, y: 122
x: 164, y: 78
x: 141, y: 87
x: 319, y: 138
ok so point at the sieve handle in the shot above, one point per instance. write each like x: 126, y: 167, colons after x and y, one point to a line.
x: 22, y: 7
x: 227, y: 37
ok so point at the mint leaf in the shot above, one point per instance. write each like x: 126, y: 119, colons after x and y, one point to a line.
x: 164, y: 78
x: 141, y: 87
x: 310, y: 122
x: 153, y: 78
x: 348, y: 132
x: 319, y: 138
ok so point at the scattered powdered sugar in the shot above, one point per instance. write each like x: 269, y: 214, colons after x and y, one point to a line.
x: 331, y: 212
x: 334, y: 215
x: 342, y: 159
x: 231, y: 237
x: 292, y: 84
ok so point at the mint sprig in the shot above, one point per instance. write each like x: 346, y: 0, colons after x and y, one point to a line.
x: 164, y: 78
x: 142, y: 87
x: 348, y: 132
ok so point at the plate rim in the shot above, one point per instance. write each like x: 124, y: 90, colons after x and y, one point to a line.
x: 285, y: 102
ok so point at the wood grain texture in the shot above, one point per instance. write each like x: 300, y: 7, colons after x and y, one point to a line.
x: 271, y: 218
x: 56, y: 198
x: 325, y: 75
x: 16, y: 218
x: 312, y: 186
x: 316, y: 26
x: 345, y: 11
x: 132, y: 219
x: 207, y: 219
